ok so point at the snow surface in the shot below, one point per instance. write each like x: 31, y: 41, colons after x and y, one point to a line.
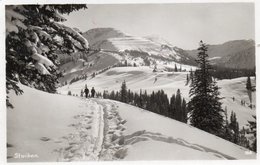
x: 214, y: 58
x: 142, y: 44
x: 185, y: 138
x: 66, y: 128
x: 54, y: 127
x: 144, y: 78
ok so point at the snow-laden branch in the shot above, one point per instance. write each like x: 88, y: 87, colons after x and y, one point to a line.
x: 74, y: 34
x: 43, y: 60
x: 41, y: 68
x: 13, y: 20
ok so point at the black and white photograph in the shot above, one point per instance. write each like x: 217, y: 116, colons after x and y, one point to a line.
x: 117, y: 81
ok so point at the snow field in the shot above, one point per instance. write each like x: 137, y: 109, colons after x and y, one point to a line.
x: 144, y: 78
x: 149, y: 128
x: 55, y: 127
x: 66, y: 128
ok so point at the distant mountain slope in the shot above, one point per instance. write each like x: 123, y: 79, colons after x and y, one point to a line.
x: 109, y: 39
x: 244, y: 59
x: 98, y: 34
x: 233, y: 54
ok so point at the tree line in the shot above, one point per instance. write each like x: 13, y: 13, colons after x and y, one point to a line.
x: 157, y: 102
x: 230, y: 73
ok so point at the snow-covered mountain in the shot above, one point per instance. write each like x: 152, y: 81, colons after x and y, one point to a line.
x: 115, y: 47
x: 114, y: 40
x: 66, y: 128
x: 238, y: 54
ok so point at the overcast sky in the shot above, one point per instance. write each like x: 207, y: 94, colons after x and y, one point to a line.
x: 183, y: 25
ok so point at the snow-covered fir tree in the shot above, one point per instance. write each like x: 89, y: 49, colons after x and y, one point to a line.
x: 205, y: 106
x: 123, y: 92
x: 34, y: 34
x: 248, y: 84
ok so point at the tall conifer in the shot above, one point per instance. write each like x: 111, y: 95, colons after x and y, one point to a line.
x: 205, y: 106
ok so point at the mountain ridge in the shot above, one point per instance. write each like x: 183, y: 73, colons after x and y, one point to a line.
x: 235, y: 54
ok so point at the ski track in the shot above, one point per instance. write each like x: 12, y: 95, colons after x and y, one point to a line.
x: 86, y: 142
x: 116, y: 143
x: 100, y: 135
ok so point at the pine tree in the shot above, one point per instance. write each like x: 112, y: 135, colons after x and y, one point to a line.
x: 248, y: 84
x: 205, y: 106
x: 191, y: 76
x: 177, y: 106
x: 69, y: 93
x: 31, y: 45
x: 187, y: 79
x: 226, y: 132
x: 184, y: 111
x: 129, y: 96
x: 249, y: 90
x: 234, y: 126
x: 140, y: 100
x: 123, y: 93
x: 105, y: 94
x: 171, y: 107
x: 175, y: 68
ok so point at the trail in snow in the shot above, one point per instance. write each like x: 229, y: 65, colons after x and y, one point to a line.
x: 98, y: 136
x: 101, y: 135
x: 113, y: 142
x: 116, y: 142
x: 86, y: 142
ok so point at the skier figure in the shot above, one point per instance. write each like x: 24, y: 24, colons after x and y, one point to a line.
x: 86, y: 91
x: 93, y: 92
x: 233, y: 98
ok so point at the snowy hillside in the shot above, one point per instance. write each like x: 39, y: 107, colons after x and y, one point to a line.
x: 115, y: 47
x: 144, y: 78
x: 239, y: 54
x: 113, y: 40
x: 80, y: 67
x: 65, y: 128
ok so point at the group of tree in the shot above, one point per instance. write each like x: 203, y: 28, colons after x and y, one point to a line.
x: 81, y: 77
x: 75, y: 57
x: 230, y: 73
x: 234, y: 134
x: 157, y: 102
x: 31, y: 45
x: 177, y: 69
x: 205, y: 108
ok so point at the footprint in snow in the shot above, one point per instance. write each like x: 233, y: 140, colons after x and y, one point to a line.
x: 88, y: 116
x: 88, y: 127
x: 45, y: 139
